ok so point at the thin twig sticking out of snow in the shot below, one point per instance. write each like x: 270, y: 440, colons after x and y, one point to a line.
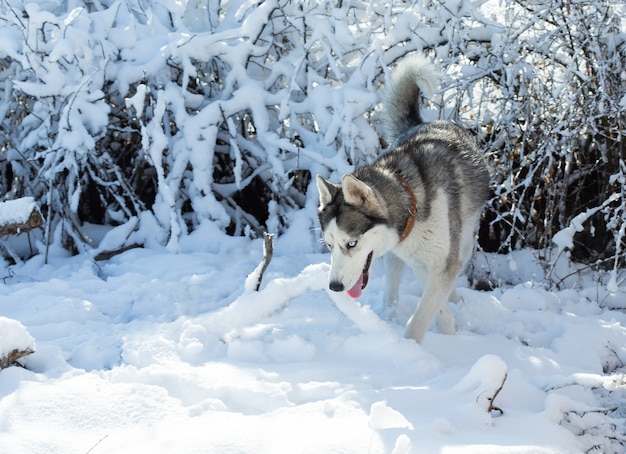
x: 492, y: 407
x: 268, y: 251
x: 97, y: 443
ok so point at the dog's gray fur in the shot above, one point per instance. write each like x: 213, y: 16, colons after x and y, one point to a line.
x: 366, y: 214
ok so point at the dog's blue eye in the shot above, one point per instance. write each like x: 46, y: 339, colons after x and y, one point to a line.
x: 351, y: 244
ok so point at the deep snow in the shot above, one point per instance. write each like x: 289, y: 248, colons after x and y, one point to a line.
x: 158, y: 352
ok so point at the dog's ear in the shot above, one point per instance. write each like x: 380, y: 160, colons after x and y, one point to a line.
x: 327, y: 190
x: 357, y: 193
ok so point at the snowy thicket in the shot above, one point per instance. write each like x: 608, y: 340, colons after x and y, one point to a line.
x: 551, y: 89
x: 169, y: 115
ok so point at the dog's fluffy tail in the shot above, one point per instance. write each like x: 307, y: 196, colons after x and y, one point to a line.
x: 413, y: 77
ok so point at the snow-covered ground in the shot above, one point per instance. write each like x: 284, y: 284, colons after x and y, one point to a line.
x: 158, y: 352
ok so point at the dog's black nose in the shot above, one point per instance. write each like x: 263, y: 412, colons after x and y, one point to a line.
x: 336, y: 286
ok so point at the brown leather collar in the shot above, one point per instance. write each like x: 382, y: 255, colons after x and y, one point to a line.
x: 410, y: 220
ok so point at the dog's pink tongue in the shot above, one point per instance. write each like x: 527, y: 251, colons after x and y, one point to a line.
x: 357, y: 289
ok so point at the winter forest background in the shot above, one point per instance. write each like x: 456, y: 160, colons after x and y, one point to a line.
x: 169, y: 116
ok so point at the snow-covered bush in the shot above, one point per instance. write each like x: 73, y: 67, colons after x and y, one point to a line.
x: 549, y: 92
x: 191, y: 112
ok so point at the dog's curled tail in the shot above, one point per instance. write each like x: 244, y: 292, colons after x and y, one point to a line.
x: 414, y: 76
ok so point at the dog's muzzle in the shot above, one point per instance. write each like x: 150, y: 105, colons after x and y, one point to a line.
x: 360, y: 284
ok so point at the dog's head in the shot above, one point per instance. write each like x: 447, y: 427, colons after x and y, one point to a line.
x: 354, y: 227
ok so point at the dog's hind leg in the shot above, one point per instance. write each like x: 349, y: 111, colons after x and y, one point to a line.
x: 393, y: 272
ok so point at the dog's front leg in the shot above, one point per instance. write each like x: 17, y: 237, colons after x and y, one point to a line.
x: 445, y: 318
x: 393, y: 272
x: 439, y: 286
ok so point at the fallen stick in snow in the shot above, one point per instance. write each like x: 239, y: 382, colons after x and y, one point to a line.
x: 11, y: 358
x: 15, y: 342
x: 106, y: 255
x: 19, y: 216
x: 252, y: 307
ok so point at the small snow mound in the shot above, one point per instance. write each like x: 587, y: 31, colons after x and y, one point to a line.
x: 443, y: 426
x: 383, y: 416
x: 485, y: 378
x: 15, y: 341
x: 118, y: 236
x: 403, y: 445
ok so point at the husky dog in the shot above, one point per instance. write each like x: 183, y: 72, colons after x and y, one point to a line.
x: 418, y: 204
